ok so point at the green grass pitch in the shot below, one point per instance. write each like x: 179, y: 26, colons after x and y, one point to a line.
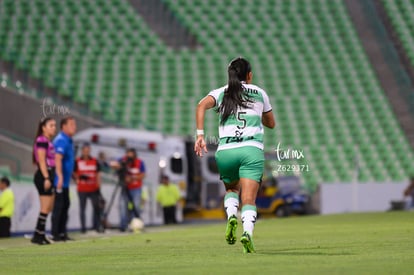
x: 376, y: 243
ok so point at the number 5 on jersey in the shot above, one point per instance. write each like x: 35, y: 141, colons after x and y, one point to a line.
x: 242, y: 120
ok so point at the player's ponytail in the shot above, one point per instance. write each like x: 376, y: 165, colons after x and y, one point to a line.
x: 233, y: 95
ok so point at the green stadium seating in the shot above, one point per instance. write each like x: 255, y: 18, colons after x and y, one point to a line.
x: 401, y: 14
x: 305, y: 54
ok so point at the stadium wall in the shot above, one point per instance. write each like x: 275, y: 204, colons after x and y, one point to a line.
x: 338, y: 198
x: 20, y: 113
x: 16, y: 155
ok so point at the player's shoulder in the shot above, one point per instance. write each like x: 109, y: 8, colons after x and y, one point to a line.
x: 255, y: 87
x: 257, y: 91
x: 218, y: 90
x: 42, y: 139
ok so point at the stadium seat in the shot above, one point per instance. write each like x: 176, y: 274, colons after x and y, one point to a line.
x: 322, y: 88
x: 400, y: 13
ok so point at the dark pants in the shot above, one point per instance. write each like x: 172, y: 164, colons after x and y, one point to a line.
x: 127, y: 196
x: 5, y: 224
x: 169, y: 214
x: 94, y: 197
x: 60, y: 213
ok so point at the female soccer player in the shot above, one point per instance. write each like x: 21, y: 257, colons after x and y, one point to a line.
x: 243, y: 110
x: 44, y: 158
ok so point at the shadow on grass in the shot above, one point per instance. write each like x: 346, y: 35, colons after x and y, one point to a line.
x: 308, y: 251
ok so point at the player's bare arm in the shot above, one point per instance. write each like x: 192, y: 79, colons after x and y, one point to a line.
x: 206, y: 103
x: 268, y: 120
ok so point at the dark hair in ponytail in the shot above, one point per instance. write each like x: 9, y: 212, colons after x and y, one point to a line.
x: 233, y: 95
x: 39, y: 132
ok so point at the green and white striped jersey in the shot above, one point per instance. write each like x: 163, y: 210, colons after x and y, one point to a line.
x: 245, y: 128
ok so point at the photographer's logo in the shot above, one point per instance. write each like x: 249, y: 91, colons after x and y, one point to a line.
x: 283, y: 154
x: 49, y: 108
x: 289, y: 155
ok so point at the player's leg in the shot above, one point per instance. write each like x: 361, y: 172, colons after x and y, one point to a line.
x: 251, y: 171
x: 231, y: 206
x: 46, y: 199
x: 228, y: 165
x: 231, y: 199
x: 40, y: 234
x: 248, y: 213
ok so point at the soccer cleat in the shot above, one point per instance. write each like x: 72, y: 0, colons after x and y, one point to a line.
x: 46, y: 240
x: 66, y: 238
x: 247, y: 241
x: 40, y: 240
x: 57, y: 239
x: 231, y: 230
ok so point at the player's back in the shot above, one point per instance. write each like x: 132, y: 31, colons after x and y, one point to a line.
x: 245, y: 127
